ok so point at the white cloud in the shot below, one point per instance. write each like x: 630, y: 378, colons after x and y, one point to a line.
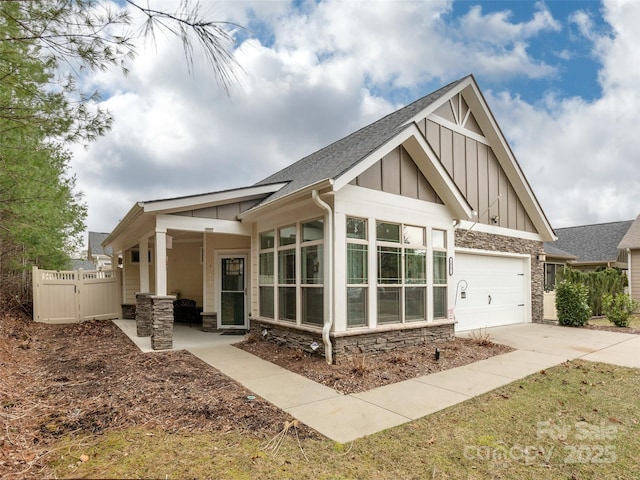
x: 582, y: 157
x: 315, y: 74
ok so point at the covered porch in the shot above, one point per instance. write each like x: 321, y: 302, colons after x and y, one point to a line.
x: 184, y: 338
x: 186, y: 260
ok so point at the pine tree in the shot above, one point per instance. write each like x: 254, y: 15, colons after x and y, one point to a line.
x: 43, y: 111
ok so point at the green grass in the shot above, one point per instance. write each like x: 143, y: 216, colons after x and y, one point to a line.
x: 578, y: 420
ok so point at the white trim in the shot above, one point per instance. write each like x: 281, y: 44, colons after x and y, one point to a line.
x: 219, y: 254
x: 458, y: 128
x: 197, y: 224
x: 412, y: 140
x: 491, y: 253
x: 506, y: 232
x: 205, y: 200
x: 290, y: 198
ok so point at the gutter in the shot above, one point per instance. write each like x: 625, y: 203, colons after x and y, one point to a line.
x: 328, y: 268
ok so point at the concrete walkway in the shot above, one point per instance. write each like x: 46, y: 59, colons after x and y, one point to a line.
x: 344, y: 418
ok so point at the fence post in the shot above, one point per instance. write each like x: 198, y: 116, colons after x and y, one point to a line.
x: 79, y: 284
x: 36, y: 293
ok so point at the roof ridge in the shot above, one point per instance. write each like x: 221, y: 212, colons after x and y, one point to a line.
x: 356, y: 133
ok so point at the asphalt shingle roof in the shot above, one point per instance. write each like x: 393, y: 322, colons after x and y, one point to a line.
x: 631, y: 239
x: 592, y: 243
x: 331, y: 161
x: 95, y: 244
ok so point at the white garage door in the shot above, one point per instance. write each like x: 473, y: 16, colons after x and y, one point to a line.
x: 490, y: 291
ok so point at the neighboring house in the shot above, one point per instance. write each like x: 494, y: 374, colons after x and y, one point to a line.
x: 392, y: 235
x: 97, y: 253
x: 82, y: 263
x: 586, y: 247
x: 630, y: 243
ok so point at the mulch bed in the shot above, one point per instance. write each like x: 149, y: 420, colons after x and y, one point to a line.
x: 613, y: 328
x: 365, y: 372
x: 85, y: 379
x: 81, y: 380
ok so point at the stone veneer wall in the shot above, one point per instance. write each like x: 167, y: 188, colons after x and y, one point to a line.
x: 143, y: 314
x: 128, y: 311
x: 501, y: 243
x: 209, y: 321
x: 162, y: 322
x: 345, y: 346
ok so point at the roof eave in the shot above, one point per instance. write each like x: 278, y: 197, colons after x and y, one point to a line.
x: 134, y: 213
x: 253, y: 213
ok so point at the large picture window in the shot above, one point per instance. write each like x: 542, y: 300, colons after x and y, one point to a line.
x: 402, y: 272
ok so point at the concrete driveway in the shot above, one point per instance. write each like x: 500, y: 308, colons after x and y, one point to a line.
x: 568, y: 343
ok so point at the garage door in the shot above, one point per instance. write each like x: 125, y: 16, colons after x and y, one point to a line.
x: 490, y: 291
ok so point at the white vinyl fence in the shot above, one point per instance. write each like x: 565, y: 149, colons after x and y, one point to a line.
x: 76, y: 295
x: 549, y: 306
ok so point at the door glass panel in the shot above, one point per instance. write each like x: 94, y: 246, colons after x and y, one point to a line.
x: 232, y: 292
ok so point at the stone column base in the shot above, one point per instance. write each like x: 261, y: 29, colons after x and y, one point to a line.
x: 209, y: 321
x: 162, y: 318
x: 143, y: 314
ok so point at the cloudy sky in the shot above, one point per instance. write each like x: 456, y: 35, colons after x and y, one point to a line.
x: 560, y: 76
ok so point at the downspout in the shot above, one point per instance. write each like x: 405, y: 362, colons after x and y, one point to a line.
x: 630, y: 287
x: 328, y: 268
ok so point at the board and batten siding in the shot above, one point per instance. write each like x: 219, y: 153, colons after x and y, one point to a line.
x: 469, y: 161
x: 476, y: 171
x: 634, y: 274
x: 398, y: 174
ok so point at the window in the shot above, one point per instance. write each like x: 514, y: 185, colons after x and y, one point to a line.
x: 266, y: 275
x: 291, y: 273
x: 357, y: 272
x: 439, y: 244
x: 402, y: 272
x: 287, y: 273
x: 312, y: 272
x: 135, y: 255
x: 552, y: 275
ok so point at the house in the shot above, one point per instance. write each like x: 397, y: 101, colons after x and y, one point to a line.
x: 630, y: 244
x: 99, y: 255
x: 586, y: 247
x: 418, y: 224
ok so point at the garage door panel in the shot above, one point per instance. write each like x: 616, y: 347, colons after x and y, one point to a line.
x: 492, y: 291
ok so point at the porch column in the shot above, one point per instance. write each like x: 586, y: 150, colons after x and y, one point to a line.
x: 143, y: 250
x: 161, y: 262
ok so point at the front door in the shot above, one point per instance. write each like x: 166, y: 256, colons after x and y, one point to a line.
x: 232, y: 311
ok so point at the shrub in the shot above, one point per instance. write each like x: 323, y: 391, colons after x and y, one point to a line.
x: 599, y: 282
x: 571, y: 304
x: 618, y: 308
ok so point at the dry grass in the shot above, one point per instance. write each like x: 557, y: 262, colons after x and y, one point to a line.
x: 634, y: 322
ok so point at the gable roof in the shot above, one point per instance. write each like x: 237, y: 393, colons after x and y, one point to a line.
x: 95, y: 244
x: 592, y: 243
x: 332, y: 161
x: 631, y: 239
x: 337, y: 162
x: 552, y: 251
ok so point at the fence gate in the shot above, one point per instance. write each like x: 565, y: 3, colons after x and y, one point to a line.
x: 76, y: 295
